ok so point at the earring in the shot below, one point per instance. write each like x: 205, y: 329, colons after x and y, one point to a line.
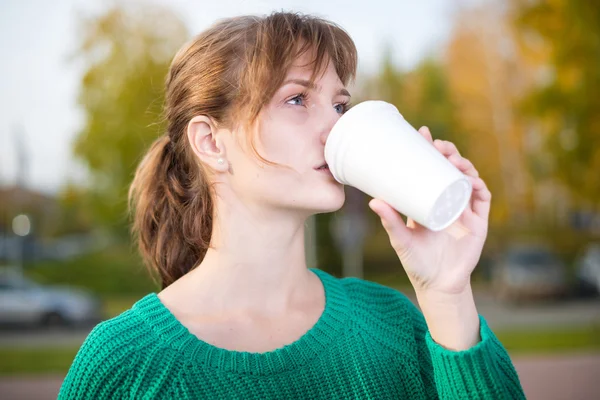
x: 220, y: 161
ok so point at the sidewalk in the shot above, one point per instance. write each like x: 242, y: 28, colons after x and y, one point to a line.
x: 44, y: 387
x: 572, y: 377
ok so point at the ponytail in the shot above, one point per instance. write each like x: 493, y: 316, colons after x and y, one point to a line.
x: 171, y: 204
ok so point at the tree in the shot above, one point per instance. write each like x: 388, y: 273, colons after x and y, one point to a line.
x: 562, y: 39
x: 128, y: 50
x: 422, y: 95
x: 486, y: 79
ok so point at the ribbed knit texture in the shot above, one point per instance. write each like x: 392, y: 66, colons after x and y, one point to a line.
x: 371, y: 342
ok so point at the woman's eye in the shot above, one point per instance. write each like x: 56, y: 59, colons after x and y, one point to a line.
x: 340, y: 108
x: 296, y: 101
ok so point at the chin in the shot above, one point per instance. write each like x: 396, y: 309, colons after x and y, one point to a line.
x: 328, y: 210
x: 329, y: 200
x: 310, y: 200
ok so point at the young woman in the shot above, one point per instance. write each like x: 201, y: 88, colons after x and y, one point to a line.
x: 220, y: 203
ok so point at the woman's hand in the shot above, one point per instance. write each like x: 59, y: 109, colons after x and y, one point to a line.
x: 441, y: 262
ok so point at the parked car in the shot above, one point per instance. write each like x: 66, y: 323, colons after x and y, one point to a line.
x: 24, y: 302
x: 587, y: 267
x: 527, y: 272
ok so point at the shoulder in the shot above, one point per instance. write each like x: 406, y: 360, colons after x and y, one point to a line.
x: 123, y: 333
x: 107, y: 357
x: 112, y: 338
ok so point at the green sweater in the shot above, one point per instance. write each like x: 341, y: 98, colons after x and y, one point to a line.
x: 371, y: 342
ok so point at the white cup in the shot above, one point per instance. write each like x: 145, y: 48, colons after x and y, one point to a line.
x: 374, y: 149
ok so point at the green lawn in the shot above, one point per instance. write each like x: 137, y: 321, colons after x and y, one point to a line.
x: 544, y: 341
x: 14, y: 361
x: 518, y: 343
x: 115, y: 305
x: 36, y: 360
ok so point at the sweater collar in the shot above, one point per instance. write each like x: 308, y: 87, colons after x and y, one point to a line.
x: 330, y: 325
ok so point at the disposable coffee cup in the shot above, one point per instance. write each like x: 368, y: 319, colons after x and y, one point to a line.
x: 373, y: 148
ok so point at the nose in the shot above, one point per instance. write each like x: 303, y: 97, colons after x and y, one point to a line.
x: 328, y: 121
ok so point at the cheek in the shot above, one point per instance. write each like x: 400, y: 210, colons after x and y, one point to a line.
x: 294, y: 115
x: 286, y: 139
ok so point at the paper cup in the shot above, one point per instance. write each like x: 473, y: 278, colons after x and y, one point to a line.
x: 374, y: 149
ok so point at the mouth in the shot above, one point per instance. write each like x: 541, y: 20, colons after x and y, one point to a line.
x: 323, y: 167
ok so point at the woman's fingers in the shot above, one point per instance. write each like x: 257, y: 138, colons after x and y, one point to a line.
x: 449, y: 150
x: 445, y: 147
x: 481, y: 198
x: 465, y: 166
x: 400, y: 235
x: 424, y: 131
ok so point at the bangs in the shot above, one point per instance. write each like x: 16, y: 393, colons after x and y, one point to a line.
x: 277, y: 42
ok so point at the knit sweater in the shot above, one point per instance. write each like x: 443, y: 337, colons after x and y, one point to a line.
x: 371, y: 342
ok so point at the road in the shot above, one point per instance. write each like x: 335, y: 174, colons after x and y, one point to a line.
x: 568, y: 313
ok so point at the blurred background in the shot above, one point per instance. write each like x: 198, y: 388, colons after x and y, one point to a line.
x: 513, y: 83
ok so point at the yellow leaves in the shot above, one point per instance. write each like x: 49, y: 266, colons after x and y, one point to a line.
x: 487, y: 77
x: 569, y: 78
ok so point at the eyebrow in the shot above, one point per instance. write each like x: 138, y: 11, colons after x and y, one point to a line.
x: 313, y: 86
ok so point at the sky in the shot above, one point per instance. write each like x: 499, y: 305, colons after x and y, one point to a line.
x: 39, y: 80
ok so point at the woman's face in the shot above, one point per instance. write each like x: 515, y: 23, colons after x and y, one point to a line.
x: 293, y: 128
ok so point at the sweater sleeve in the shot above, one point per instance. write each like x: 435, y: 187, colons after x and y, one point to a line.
x: 101, y: 369
x: 484, y: 371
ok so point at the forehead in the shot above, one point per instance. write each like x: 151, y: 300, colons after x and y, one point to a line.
x: 304, y: 67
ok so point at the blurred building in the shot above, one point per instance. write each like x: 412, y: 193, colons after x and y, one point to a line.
x: 43, y: 209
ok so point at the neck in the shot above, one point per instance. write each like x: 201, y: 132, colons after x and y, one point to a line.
x: 256, y: 261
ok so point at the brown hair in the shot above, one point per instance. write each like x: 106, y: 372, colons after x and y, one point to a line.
x: 228, y: 73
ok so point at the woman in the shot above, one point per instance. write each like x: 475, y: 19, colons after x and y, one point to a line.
x: 220, y: 205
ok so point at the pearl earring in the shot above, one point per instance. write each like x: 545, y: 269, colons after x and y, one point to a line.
x: 220, y: 161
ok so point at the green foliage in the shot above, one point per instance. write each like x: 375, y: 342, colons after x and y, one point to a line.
x: 75, y: 216
x: 422, y: 95
x: 128, y: 51
x: 566, y: 100
x: 36, y: 360
x: 328, y: 255
x: 114, y: 271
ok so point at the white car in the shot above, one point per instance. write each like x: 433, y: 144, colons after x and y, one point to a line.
x: 527, y: 271
x: 24, y: 302
x: 588, y: 268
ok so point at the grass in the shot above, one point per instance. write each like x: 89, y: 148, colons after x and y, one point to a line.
x: 555, y: 341
x: 36, y: 360
x: 518, y: 343
x: 44, y: 360
x: 115, y: 305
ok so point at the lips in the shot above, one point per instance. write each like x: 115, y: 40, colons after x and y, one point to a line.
x: 323, y: 166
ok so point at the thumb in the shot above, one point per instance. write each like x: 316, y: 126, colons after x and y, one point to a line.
x: 400, y: 235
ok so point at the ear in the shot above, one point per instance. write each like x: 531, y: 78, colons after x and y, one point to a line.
x: 201, y: 134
